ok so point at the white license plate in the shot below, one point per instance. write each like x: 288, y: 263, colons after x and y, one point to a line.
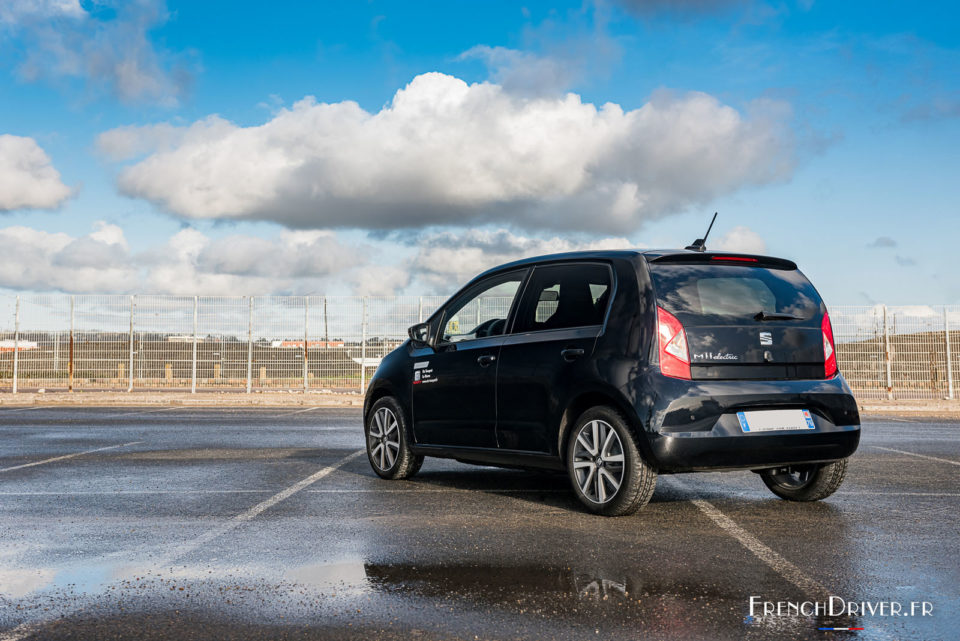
x: 776, y: 420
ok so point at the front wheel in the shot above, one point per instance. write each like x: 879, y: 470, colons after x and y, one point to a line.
x: 811, y: 482
x: 387, y: 448
x: 607, y: 472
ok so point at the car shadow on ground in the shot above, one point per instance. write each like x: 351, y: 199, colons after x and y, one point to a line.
x: 549, y: 489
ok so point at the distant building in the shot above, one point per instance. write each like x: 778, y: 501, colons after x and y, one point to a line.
x: 310, y: 344
x: 9, y: 345
x: 182, y: 339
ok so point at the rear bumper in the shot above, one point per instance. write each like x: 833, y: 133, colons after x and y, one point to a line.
x: 692, y: 425
x: 717, y: 450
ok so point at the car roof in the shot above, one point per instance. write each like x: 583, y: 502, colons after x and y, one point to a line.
x: 607, y: 254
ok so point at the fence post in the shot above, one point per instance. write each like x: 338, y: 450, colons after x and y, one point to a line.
x: 886, y: 350
x: 250, y: 347
x: 363, y: 345
x: 326, y: 343
x: 16, y: 342
x: 946, y: 335
x: 130, y: 384
x: 70, y: 365
x: 193, y: 375
x: 420, y: 309
x: 306, y: 336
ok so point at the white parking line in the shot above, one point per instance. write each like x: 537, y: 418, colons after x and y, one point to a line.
x: 134, y: 492
x: 22, y: 409
x: 162, y: 409
x: 496, y: 490
x: 66, y: 456
x: 777, y: 563
x: 861, y: 493
x: 932, y: 458
x: 257, y: 509
x: 329, y: 491
x: 309, y: 409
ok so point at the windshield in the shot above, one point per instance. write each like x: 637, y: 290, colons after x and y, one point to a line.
x: 722, y: 293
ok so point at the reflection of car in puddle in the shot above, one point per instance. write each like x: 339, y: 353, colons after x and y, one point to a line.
x: 569, y: 591
x: 501, y: 585
x: 590, y: 589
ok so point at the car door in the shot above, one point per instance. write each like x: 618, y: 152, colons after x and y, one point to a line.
x: 547, y: 355
x: 454, y: 386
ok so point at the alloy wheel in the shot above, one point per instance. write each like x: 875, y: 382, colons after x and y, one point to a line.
x: 598, y: 461
x: 383, y: 439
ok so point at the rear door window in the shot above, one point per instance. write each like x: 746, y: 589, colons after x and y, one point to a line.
x: 564, y: 296
x: 723, y: 294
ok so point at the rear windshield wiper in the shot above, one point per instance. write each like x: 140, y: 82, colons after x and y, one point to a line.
x: 763, y: 316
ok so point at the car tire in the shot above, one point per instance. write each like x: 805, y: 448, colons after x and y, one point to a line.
x: 805, y: 482
x: 606, y: 469
x: 388, y: 451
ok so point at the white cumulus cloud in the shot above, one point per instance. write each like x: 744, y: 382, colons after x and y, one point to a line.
x: 103, y: 43
x: 295, y: 262
x: 740, y: 239
x: 28, y: 179
x: 44, y: 261
x: 188, y: 263
x: 444, y: 152
x: 446, y: 260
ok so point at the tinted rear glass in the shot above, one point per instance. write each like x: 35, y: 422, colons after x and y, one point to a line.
x: 724, y: 293
x: 563, y: 296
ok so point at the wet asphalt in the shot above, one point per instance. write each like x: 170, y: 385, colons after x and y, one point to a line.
x: 258, y: 524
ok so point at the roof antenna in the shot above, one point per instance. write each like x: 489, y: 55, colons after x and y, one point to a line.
x: 700, y: 244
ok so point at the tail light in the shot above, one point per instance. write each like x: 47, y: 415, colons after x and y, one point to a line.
x: 674, y: 355
x: 829, y: 347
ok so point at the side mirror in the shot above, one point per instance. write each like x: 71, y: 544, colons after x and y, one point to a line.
x: 420, y: 335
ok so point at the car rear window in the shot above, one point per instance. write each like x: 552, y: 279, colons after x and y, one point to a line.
x: 724, y: 293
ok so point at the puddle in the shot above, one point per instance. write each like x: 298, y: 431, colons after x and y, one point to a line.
x: 15, y: 584
x: 341, y: 578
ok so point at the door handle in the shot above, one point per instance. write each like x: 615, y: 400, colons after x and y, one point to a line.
x: 486, y: 359
x: 571, y: 353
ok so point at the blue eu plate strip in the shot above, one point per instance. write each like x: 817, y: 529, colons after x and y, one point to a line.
x: 743, y: 421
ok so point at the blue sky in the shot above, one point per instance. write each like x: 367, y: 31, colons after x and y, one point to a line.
x: 822, y: 132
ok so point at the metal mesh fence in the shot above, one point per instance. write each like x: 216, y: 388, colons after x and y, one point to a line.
x: 858, y: 334
x: 150, y: 342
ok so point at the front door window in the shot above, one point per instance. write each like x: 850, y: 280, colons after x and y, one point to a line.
x: 481, y: 312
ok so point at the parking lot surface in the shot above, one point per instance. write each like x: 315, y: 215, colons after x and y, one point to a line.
x: 180, y: 523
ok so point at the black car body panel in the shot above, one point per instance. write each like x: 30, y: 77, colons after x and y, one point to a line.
x: 509, y: 399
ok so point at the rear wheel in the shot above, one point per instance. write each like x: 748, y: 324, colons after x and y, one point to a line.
x: 607, y: 472
x: 811, y: 482
x: 387, y: 448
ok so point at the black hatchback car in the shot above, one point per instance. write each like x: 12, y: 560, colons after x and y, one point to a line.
x: 616, y: 366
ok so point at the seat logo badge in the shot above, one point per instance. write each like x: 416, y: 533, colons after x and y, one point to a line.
x: 766, y: 338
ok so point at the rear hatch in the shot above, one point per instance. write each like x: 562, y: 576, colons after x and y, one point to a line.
x: 745, y: 317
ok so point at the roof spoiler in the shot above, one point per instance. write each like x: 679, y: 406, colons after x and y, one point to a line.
x: 726, y: 258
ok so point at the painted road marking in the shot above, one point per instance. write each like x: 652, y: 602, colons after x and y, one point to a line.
x: 67, y: 456
x: 330, y: 491
x: 22, y: 409
x: 309, y: 409
x: 138, y: 413
x: 257, y: 509
x: 777, y: 563
x: 932, y: 458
